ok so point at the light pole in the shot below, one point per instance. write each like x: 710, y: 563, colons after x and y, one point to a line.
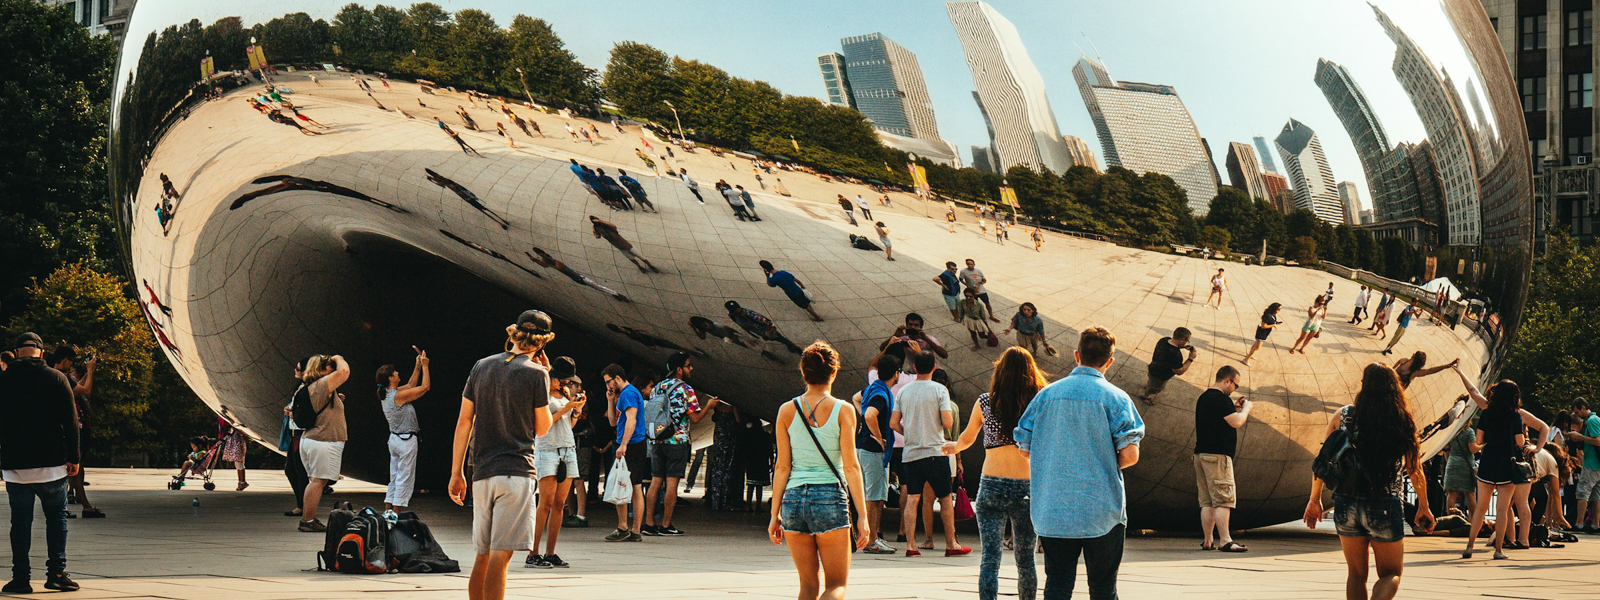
x: 525, y: 91
x: 675, y: 117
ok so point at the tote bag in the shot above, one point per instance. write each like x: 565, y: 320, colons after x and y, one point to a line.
x: 619, y: 485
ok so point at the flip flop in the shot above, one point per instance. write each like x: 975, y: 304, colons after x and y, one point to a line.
x: 1204, y: 546
x: 1233, y: 547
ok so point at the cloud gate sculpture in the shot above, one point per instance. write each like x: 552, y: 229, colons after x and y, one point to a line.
x: 411, y: 176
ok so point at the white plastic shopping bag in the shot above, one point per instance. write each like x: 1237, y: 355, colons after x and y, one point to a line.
x: 619, y: 485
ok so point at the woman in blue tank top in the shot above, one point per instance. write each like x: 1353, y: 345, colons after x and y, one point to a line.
x: 816, y: 463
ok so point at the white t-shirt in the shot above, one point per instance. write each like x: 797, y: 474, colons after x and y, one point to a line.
x: 39, y: 475
x: 1218, y: 282
x: 919, y: 404
x: 973, y: 278
x: 1544, y: 465
x: 560, y: 433
x: 861, y: 202
x: 1361, y: 298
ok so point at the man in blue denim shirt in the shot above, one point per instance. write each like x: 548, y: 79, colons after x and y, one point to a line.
x: 1078, y: 434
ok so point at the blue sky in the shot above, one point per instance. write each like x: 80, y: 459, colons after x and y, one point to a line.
x: 1243, y: 67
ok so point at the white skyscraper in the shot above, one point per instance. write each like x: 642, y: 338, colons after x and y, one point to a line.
x: 1010, y: 89
x: 1145, y: 128
x: 1314, y: 187
x: 1350, y: 199
x: 1448, y: 129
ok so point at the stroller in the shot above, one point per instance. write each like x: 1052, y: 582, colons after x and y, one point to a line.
x: 200, y: 464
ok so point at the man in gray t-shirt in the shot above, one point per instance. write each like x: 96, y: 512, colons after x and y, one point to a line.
x: 504, y: 407
x: 922, y: 411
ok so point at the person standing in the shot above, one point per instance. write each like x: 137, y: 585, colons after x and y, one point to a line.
x: 849, y: 209
x: 1381, y: 315
x: 1313, y: 326
x: 1460, y: 472
x: 1029, y: 326
x: 1166, y: 362
x: 922, y: 411
x: 866, y: 209
x: 1587, y: 493
x: 749, y: 203
x: 624, y: 407
x: 635, y: 190
x: 975, y: 315
x: 731, y: 195
x: 322, y: 446
x: 38, y: 452
x: 555, y: 460
x: 816, y: 479
x: 758, y: 325
x: 1360, y: 312
x: 1269, y: 321
x: 456, y: 137
x: 1400, y: 324
x: 974, y: 280
x: 874, y: 438
x: 234, y: 443
x: 791, y: 286
x: 398, y: 410
x: 950, y: 287
x: 1219, y: 284
x: 689, y: 182
x: 670, y: 442
x: 1217, y: 417
x: 950, y: 218
x: 883, y: 236
x: 81, y: 378
x: 608, y: 231
x: 1038, y: 240
x: 294, y: 469
x: 1367, y: 511
x: 504, y: 407
x: 1078, y: 434
x: 1003, y: 491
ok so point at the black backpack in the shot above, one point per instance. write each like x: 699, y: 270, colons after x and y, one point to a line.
x: 302, y: 411
x: 338, y: 519
x: 1337, y: 464
x: 363, y: 549
x: 413, y: 547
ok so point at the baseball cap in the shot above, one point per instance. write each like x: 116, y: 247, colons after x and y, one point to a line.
x: 29, y: 339
x: 534, y: 322
x: 563, y: 367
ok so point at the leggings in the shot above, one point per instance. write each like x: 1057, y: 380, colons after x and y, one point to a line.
x: 1000, y: 499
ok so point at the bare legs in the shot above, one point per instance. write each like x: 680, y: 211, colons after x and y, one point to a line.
x: 1389, y: 558
x: 1216, y: 519
x: 547, y: 518
x: 831, y: 552
x: 1253, y: 348
x: 1502, y: 496
x: 669, y: 503
x: 488, y: 576
x: 314, y: 495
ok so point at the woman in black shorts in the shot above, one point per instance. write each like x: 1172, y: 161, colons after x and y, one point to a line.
x: 1501, y: 440
x: 1269, y: 320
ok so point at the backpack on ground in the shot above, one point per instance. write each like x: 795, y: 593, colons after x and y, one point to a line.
x: 363, y: 549
x: 658, y: 418
x: 302, y: 410
x: 338, y: 519
x: 413, y: 547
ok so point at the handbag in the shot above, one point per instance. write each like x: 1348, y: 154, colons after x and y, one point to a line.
x: 964, y: 510
x: 619, y: 487
x: 993, y: 340
x: 855, y: 540
x: 1524, y: 469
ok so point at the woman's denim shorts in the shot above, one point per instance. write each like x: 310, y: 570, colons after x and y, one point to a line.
x: 1379, y: 519
x: 815, y: 509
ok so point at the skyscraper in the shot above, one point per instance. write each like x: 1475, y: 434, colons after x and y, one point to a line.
x: 836, y: 79
x: 886, y: 83
x: 1265, y: 154
x: 1145, y: 128
x: 1278, y: 191
x: 1244, y: 171
x: 1314, y: 188
x: 983, y: 159
x: 1010, y: 89
x: 1350, y: 104
x: 1350, y: 199
x: 1080, y: 152
x: 1453, y: 150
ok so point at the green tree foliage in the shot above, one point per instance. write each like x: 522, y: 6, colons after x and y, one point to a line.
x: 1556, y: 354
x: 1212, y: 236
x: 552, y: 72
x: 293, y: 38
x: 476, y: 49
x: 54, y: 83
x: 638, y: 79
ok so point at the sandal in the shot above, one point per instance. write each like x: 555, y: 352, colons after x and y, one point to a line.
x: 1205, y: 546
x: 928, y: 545
x: 1233, y: 547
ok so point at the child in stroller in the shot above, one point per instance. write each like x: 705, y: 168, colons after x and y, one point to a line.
x: 205, y: 452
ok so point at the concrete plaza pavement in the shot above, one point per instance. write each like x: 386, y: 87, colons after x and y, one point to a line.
x: 237, y: 545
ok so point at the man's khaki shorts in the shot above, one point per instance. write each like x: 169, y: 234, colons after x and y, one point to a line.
x: 1213, y: 476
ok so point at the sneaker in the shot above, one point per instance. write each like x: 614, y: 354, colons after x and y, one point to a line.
x: 536, y: 562
x: 242, y: 486
x: 60, y: 582
x: 880, y: 547
x: 575, y: 521
x: 634, y: 537
x: 555, y: 562
x: 313, y: 526
x: 17, y: 586
x: 670, y: 530
x: 650, y: 530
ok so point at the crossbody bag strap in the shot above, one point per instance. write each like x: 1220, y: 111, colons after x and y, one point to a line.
x: 798, y: 407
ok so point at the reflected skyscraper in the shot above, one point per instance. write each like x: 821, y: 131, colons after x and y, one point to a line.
x: 983, y: 159
x: 1145, y: 128
x: 1080, y: 152
x: 1278, y: 191
x: 1350, y: 199
x: 1010, y: 89
x: 887, y: 85
x: 835, y: 79
x: 1454, y: 152
x: 1314, y: 187
x: 1266, y: 154
x: 1244, y: 171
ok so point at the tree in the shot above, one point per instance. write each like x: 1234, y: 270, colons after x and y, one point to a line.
x: 54, y: 89
x: 427, y: 26
x: 476, y: 49
x: 1303, y: 250
x: 294, y: 37
x: 1233, y: 211
x: 1212, y: 236
x: 638, y: 79
x: 553, y: 72
x: 1556, y: 354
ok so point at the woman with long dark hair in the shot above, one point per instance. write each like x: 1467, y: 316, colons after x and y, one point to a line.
x: 1313, y: 326
x: 1368, y: 513
x: 816, y: 478
x: 1500, y: 441
x: 1416, y: 365
x: 1269, y: 320
x: 1003, y: 491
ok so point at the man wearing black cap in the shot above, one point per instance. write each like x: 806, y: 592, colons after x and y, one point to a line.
x: 504, y: 407
x: 669, y: 448
x: 38, y: 451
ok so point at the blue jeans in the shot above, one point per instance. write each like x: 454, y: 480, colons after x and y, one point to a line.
x: 53, y: 498
x: 999, y: 499
x: 1101, y: 555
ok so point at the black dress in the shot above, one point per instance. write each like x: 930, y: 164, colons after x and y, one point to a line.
x: 1497, y: 462
x: 722, y: 486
